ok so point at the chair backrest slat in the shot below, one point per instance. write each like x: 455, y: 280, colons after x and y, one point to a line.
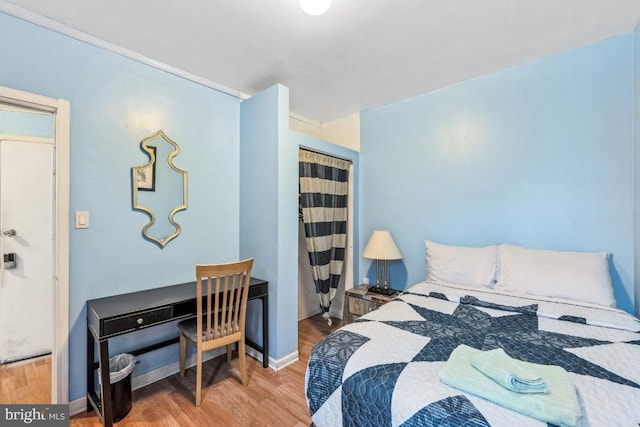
x: 232, y: 296
x: 236, y: 310
x: 223, y: 313
x: 209, y: 287
x: 226, y: 314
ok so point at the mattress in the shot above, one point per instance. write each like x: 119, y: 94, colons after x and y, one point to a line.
x: 382, y: 370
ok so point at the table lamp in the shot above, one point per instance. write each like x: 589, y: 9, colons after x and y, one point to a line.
x: 381, y: 247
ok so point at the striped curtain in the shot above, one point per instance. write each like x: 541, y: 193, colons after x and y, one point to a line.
x: 324, y: 185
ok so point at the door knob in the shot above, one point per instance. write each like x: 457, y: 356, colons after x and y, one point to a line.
x: 10, y: 232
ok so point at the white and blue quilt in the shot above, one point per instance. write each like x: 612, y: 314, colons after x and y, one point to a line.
x: 382, y: 369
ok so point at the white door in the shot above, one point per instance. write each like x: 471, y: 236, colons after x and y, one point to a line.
x: 26, y: 207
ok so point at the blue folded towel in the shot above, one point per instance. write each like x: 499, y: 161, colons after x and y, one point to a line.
x: 512, y: 374
x: 560, y: 406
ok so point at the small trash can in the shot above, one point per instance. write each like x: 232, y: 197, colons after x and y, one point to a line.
x: 120, y: 369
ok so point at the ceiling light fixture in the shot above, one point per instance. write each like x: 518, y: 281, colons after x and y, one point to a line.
x: 315, y: 7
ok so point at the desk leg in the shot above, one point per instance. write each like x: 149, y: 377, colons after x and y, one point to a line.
x: 265, y: 331
x: 91, y: 358
x: 105, y: 388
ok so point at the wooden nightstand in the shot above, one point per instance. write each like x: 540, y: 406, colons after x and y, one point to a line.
x: 359, y: 301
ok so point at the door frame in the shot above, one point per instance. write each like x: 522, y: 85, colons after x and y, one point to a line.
x: 60, y: 351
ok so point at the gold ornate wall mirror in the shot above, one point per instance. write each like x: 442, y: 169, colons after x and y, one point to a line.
x: 159, y: 186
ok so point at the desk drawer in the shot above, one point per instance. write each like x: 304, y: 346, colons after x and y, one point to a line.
x: 136, y: 320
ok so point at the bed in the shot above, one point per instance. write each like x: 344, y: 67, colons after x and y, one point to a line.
x: 542, y: 307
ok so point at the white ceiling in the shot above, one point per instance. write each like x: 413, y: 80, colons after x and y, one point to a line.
x: 360, y: 54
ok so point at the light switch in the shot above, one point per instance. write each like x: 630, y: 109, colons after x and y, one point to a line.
x: 82, y: 219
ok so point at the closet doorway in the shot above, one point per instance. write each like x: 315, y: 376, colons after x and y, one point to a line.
x: 308, y: 301
x: 32, y: 249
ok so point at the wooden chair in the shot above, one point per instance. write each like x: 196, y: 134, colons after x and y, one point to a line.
x: 223, y: 289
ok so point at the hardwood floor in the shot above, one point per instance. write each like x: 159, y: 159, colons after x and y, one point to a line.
x: 271, y: 398
x: 27, y: 381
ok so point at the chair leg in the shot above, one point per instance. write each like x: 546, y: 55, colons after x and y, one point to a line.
x: 183, y: 354
x: 242, y: 356
x: 198, y: 377
x: 229, y: 352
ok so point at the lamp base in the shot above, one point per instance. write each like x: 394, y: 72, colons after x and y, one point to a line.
x: 383, y: 291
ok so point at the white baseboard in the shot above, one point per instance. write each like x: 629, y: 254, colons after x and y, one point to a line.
x: 302, y: 316
x: 284, y: 361
x: 333, y: 313
x: 78, y: 406
x: 336, y: 313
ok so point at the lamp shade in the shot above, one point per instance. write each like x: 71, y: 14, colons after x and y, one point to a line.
x: 381, y: 246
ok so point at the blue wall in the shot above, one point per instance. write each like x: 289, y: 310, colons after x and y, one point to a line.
x: 269, y: 209
x: 115, y: 103
x: 537, y: 155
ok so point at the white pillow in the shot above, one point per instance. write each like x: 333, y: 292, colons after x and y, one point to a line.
x: 578, y: 276
x: 462, y: 265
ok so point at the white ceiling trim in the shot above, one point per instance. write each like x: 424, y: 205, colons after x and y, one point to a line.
x: 58, y: 27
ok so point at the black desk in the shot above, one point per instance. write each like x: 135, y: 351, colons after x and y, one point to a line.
x: 120, y: 314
